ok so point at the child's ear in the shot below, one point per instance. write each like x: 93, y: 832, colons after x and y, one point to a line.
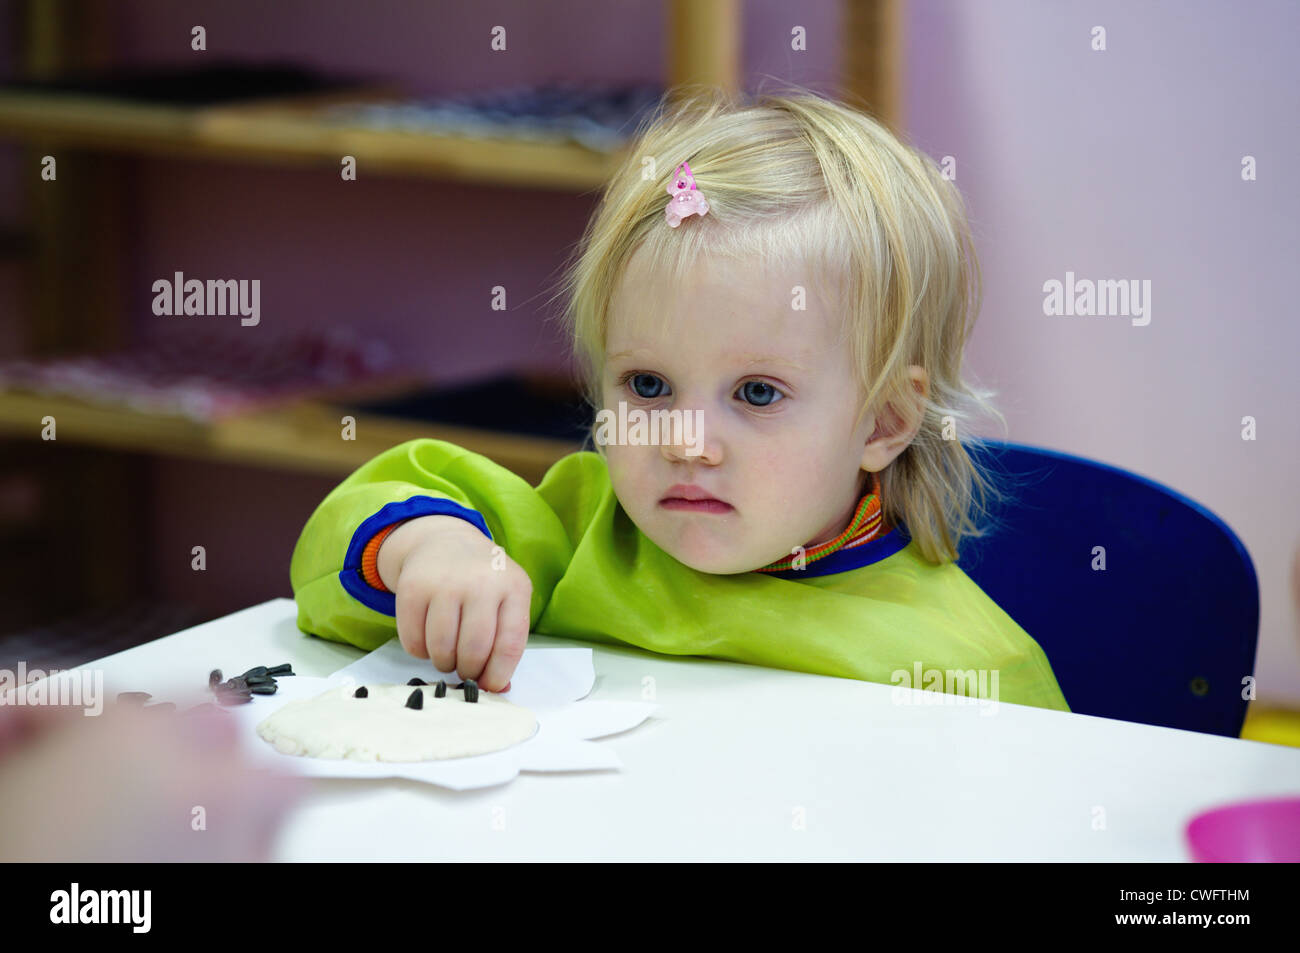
x: 920, y: 379
x: 893, y: 431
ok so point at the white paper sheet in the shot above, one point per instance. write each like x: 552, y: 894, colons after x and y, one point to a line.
x: 552, y: 683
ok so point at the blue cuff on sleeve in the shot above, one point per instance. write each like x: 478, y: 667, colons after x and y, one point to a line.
x: 350, y: 576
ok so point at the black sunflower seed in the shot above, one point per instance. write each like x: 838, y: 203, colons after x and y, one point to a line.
x: 416, y: 699
x: 361, y: 693
x: 417, y: 681
x: 441, y: 690
x: 285, y: 669
x: 134, y: 698
x: 259, y: 680
x: 234, y: 698
x: 214, y: 678
x: 233, y: 689
x: 254, y: 672
x: 263, y: 689
x: 471, y: 690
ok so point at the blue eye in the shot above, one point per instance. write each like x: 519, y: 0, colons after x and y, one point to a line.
x: 649, y: 380
x: 759, y: 393
x: 651, y: 387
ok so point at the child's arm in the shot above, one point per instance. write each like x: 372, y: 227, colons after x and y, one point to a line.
x: 410, y: 535
x: 412, y: 481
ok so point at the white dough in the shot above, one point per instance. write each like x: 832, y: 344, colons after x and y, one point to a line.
x: 381, y: 727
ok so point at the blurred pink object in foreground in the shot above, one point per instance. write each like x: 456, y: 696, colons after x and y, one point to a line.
x: 1248, y: 832
x: 134, y: 785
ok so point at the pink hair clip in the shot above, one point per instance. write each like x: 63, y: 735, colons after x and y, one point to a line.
x: 687, y: 199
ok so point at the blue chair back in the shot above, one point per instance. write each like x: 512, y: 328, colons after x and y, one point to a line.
x: 1165, y: 634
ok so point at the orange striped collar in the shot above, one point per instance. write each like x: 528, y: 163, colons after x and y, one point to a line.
x: 867, y: 524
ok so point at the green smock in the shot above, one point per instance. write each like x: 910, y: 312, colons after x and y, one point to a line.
x: 598, y: 578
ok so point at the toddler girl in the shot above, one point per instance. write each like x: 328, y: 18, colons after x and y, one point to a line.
x: 792, y: 279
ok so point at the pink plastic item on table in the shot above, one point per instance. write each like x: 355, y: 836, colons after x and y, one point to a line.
x: 1247, y: 832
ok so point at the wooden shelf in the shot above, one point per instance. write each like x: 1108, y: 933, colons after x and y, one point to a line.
x: 293, y: 132
x: 303, y: 437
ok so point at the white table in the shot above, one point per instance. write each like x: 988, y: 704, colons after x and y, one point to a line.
x: 738, y: 755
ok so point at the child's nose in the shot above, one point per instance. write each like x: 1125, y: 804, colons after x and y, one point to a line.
x: 693, y: 444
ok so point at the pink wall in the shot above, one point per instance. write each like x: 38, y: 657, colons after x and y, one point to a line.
x: 1126, y: 164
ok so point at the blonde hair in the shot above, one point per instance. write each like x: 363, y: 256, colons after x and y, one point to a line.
x: 797, y: 178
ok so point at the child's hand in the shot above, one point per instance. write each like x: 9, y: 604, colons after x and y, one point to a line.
x: 460, y: 602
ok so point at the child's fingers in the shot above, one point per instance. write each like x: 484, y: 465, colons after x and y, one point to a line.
x: 440, y: 629
x: 512, y: 636
x: 410, y: 610
x: 478, y: 629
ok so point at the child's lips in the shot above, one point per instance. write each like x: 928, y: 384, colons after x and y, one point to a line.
x: 695, y: 506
